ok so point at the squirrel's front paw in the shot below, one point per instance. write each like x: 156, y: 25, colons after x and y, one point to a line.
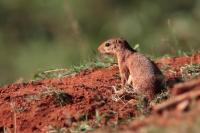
x: 117, y: 90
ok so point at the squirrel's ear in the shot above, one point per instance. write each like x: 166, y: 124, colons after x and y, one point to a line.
x: 125, y: 42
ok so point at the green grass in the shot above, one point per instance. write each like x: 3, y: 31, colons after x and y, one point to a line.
x: 57, y: 73
x: 161, y: 97
x: 61, y: 98
x: 190, y: 71
x: 82, y: 125
x: 142, y: 105
x: 54, y: 129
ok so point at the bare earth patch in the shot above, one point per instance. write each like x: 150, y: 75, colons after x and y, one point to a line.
x: 87, y: 96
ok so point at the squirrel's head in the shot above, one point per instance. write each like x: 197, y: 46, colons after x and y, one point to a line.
x: 114, y: 46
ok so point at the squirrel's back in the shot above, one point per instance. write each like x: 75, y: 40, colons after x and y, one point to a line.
x: 146, y: 75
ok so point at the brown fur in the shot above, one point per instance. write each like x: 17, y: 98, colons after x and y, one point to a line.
x: 135, y: 69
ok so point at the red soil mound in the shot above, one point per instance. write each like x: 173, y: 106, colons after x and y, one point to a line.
x: 31, y: 107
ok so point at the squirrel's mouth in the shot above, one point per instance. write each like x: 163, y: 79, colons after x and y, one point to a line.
x: 101, y: 50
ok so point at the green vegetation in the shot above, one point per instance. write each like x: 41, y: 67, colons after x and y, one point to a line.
x: 40, y: 35
x: 82, y: 125
x: 142, y: 105
x: 181, y: 127
x: 161, y: 97
x: 54, y: 129
x: 190, y: 71
x: 61, y: 98
x: 98, y: 63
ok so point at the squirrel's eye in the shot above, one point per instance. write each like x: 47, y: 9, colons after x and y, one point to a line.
x: 119, y: 41
x: 107, y: 44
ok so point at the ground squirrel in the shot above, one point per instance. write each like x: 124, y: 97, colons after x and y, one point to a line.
x: 135, y: 69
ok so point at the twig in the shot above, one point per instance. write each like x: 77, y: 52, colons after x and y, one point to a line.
x: 14, y: 116
x: 176, y: 100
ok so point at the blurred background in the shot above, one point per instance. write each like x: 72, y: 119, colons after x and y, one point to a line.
x: 37, y: 35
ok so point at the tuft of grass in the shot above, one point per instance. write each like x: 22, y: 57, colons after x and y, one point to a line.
x: 51, y: 74
x: 57, y: 73
x: 142, y: 105
x: 137, y: 47
x: 98, y: 118
x: 20, y: 109
x: 83, y: 125
x: 33, y: 97
x: 165, y: 67
x: 190, y: 71
x: 60, y: 97
x: 161, y: 97
x: 54, y: 129
x: 83, y: 117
